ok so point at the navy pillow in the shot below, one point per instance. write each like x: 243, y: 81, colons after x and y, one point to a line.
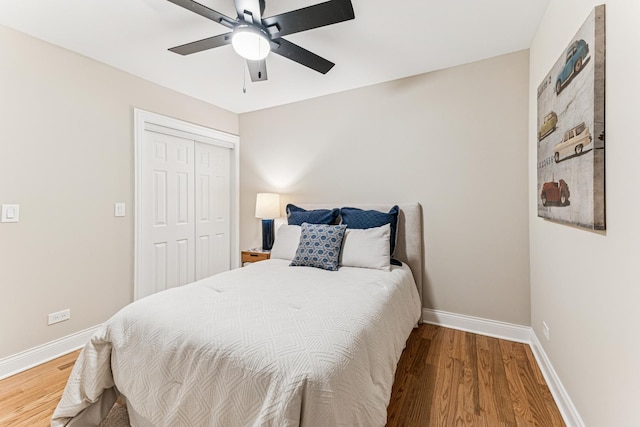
x: 296, y: 215
x: 358, y: 218
x: 319, y: 246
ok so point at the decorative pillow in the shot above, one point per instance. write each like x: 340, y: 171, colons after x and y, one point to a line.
x: 286, y: 243
x: 368, y: 248
x: 296, y: 215
x: 361, y: 219
x: 319, y: 246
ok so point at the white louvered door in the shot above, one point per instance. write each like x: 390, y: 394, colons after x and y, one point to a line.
x: 185, y: 209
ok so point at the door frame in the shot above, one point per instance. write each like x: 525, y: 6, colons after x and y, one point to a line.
x: 146, y: 120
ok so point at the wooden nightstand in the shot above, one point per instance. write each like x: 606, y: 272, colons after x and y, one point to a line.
x: 255, y: 255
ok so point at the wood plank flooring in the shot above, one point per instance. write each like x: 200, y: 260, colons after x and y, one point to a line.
x: 29, y: 398
x: 444, y: 378
x: 447, y: 377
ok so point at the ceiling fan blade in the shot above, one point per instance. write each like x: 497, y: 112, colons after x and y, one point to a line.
x: 319, y: 15
x: 204, y: 44
x: 257, y: 70
x: 254, y: 7
x: 206, y: 12
x: 302, y: 56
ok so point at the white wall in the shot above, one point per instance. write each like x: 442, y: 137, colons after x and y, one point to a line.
x: 585, y: 285
x: 66, y: 155
x: 453, y: 140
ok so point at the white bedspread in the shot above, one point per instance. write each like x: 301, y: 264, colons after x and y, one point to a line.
x: 267, y: 344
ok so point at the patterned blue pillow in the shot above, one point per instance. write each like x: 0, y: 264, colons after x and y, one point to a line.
x: 296, y: 215
x: 319, y: 246
x: 358, y: 218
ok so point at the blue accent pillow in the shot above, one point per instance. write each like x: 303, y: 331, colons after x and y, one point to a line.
x: 358, y: 218
x: 296, y: 215
x: 319, y: 246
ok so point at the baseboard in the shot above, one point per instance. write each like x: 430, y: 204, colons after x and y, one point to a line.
x: 43, y: 353
x: 512, y: 332
x: 477, y: 325
x: 565, y: 405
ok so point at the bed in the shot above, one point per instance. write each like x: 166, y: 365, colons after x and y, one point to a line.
x: 267, y: 344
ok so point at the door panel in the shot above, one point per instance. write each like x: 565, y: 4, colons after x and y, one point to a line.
x: 160, y: 198
x: 183, y: 263
x: 213, y: 209
x: 185, y: 211
x: 159, y: 267
x: 167, y: 258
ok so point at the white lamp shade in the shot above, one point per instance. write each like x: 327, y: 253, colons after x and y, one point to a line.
x: 268, y: 205
x: 250, y: 43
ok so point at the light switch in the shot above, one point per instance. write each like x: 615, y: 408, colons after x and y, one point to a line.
x: 119, y: 209
x: 10, y: 213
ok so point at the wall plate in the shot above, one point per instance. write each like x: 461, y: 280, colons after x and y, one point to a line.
x: 119, y: 209
x: 10, y: 213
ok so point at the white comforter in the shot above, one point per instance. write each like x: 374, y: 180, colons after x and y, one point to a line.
x: 267, y: 344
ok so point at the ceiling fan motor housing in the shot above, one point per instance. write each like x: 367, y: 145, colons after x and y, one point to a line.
x: 251, y: 42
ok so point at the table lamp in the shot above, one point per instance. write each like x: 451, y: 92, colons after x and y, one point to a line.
x: 267, y: 208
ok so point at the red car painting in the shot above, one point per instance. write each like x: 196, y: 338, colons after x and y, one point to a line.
x: 555, y: 193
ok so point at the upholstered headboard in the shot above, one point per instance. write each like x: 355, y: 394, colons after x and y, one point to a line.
x: 409, y: 248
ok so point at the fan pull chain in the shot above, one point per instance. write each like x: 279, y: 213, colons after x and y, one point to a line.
x: 244, y: 78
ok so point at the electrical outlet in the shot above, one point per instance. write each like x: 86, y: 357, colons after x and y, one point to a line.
x: 545, y: 330
x: 59, y: 316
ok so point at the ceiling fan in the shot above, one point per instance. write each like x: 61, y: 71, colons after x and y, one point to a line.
x: 254, y: 36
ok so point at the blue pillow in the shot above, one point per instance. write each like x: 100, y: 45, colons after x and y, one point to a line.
x: 358, y: 218
x: 319, y: 246
x: 296, y: 215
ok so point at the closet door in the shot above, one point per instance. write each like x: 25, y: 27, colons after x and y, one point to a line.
x: 186, y: 202
x: 213, y: 210
x: 167, y: 256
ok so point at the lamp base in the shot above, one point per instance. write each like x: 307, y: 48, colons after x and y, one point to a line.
x: 267, y: 234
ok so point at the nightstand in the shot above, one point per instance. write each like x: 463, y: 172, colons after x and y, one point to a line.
x: 255, y: 255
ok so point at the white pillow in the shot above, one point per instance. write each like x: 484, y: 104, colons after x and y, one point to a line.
x: 367, y: 248
x: 286, y: 242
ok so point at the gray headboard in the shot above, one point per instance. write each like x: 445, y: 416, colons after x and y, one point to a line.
x: 409, y: 248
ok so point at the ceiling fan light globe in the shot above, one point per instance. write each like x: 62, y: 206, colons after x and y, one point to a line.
x: 250, y: 43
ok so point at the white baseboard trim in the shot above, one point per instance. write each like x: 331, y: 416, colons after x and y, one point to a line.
x: 565, y: 405
x: 517, y: 333
x: 478, y: 325
x: 35, y: 356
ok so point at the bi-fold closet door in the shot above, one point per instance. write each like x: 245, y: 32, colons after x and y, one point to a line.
x: 185, y: 205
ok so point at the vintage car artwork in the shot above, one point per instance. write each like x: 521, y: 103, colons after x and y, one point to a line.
x: 573, y: 142
x: 576, y: 57
x: 549, y: 125
x: 555, y: 193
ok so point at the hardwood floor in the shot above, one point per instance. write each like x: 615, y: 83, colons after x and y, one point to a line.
x: 444, y: 378
x: 447, y: 377
x: 29, y: 398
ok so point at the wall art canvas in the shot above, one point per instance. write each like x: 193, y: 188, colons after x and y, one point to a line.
x: 570, y: 131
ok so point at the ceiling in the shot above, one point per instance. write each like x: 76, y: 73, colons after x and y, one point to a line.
x: 386, y: 41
